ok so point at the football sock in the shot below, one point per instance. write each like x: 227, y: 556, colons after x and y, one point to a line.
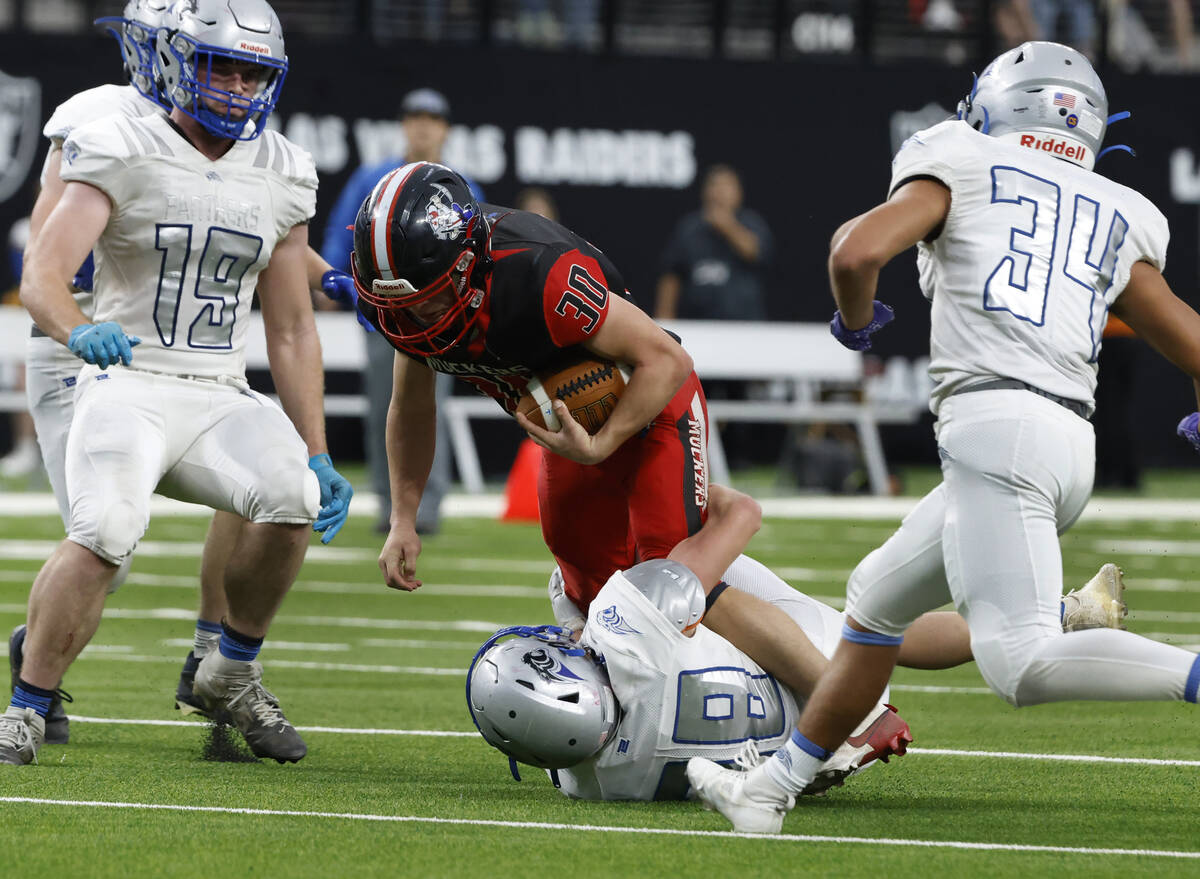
x: 208, y: 635
x: 235, y: 645
x: 793, y: 767
x: 28, y: 696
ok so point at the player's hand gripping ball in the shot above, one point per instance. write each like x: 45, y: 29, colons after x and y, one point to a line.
x: 589, y: 388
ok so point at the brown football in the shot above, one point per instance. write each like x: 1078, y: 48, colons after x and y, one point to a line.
x: 590, y: 388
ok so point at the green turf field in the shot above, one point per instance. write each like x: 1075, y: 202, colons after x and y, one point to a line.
x: 397, y: 784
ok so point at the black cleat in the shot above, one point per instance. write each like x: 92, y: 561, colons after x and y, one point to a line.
x: 185, y: 700
x: 58, y: 725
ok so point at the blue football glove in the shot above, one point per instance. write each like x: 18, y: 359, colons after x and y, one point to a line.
x: 860, y: 340
x: 339, y: 287
x: 103, y: 344
x: 335, y: 497
x: 1189, y: 429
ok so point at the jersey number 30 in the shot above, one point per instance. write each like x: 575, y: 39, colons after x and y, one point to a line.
x: 1020, y: 283
x: 224, y: 261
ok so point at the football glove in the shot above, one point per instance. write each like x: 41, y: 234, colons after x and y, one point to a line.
x: 103, y: 344
x: 860, y: 340
x: 335, y: 497
x: 1189, y: 429
x: 339, y: 287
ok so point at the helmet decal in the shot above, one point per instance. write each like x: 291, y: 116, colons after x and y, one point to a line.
x: 447, y: 221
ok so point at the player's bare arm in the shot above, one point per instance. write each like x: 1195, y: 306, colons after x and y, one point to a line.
x: 865, y: 244
x: 49, y: 195
x: 54, y: 255
x: 1160, y: 317
x: 411, y: 438
x: 660, y: 366
x: 293, y: 346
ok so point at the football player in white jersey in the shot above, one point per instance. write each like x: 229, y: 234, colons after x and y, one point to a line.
x: 1023, y: 250
x: 52, y: 368
x: 186, y: 214
x: 645, y: 688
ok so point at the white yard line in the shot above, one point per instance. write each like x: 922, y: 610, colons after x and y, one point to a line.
x: 603, y: 828
x: 468, y: 734
x: 458, y: 505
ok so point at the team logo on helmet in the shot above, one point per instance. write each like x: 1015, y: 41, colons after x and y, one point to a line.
x: 1072, y: 121
x: 448, y: 221
x: 545, y: 666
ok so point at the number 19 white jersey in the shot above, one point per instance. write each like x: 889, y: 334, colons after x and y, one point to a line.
x: 1033, y: 252
x: 178, y: 262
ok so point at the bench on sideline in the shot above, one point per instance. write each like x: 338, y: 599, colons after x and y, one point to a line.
x: 803, y: 356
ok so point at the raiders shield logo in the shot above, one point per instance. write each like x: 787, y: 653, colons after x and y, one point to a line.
x: 20, y: 124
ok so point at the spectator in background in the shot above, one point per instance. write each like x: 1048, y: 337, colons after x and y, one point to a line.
x: 25, y: 457
x: 713, y: 268
x: 425, y: 116
x: 1080, y: 23
x: 537, y: 201
x: 1014, y: 23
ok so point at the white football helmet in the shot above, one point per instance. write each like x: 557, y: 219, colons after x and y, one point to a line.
x: 135, y: 31
x: 540, y: 698
x: 193, y: 34
x: 1045, y: 96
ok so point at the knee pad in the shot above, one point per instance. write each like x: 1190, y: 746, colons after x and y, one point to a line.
x: 1000, y: 669
x: 287, y: 493
x: 120, y: 575
x: 115, y: 533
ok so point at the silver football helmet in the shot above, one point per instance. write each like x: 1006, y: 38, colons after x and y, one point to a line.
x: 135, y: 31
x: 1041, y: 95
x: 194, y: 34
x: 540, y: 698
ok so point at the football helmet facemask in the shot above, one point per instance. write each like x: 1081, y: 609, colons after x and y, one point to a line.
x: 421, y: 257
x: 135, y: 31
x: 541, y: 698
x: 1042, y: 95
x: 198, y: 35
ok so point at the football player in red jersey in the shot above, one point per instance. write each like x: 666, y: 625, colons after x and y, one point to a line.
x: 491, y: 295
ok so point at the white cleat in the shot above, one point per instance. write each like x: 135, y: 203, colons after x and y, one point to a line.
x: 1098, y: 605
x: 757, y: 810
x: 22, y: 732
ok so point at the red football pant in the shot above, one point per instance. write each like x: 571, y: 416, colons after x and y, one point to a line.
x: 651, y: 493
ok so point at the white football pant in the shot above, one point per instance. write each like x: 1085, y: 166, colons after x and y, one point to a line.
x: 210, y: 442
x: 1017, y: 473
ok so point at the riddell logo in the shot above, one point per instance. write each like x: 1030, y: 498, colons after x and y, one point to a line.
x: 1055, y: 147
x: 255, y: 48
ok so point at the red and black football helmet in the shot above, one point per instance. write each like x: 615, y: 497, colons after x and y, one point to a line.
x: 421, y: 257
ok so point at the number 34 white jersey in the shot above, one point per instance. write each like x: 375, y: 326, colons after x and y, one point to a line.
x: 178, y: 262
x: 1033, y: 252
x: 684, y: 697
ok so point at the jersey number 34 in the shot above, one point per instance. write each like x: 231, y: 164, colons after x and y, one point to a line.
x: 1021, y: 282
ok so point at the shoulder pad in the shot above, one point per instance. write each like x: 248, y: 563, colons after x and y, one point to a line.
x: 90, y: 105
x: 671, y: 587
x: 288, y: 160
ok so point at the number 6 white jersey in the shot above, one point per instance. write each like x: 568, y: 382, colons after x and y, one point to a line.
x: 179, y: 260
x: 1033, y: 252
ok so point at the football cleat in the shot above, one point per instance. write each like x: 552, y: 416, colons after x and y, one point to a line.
x: 22, y: 732
x: 1098, y: 605
x: 758, y: 807
x: 58, y: 725
x: 185, y: 700
x: 884, y: 733
x: 232, y: 692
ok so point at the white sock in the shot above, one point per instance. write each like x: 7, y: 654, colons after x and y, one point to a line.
x: 205, y: 639
x: 793, y: 767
